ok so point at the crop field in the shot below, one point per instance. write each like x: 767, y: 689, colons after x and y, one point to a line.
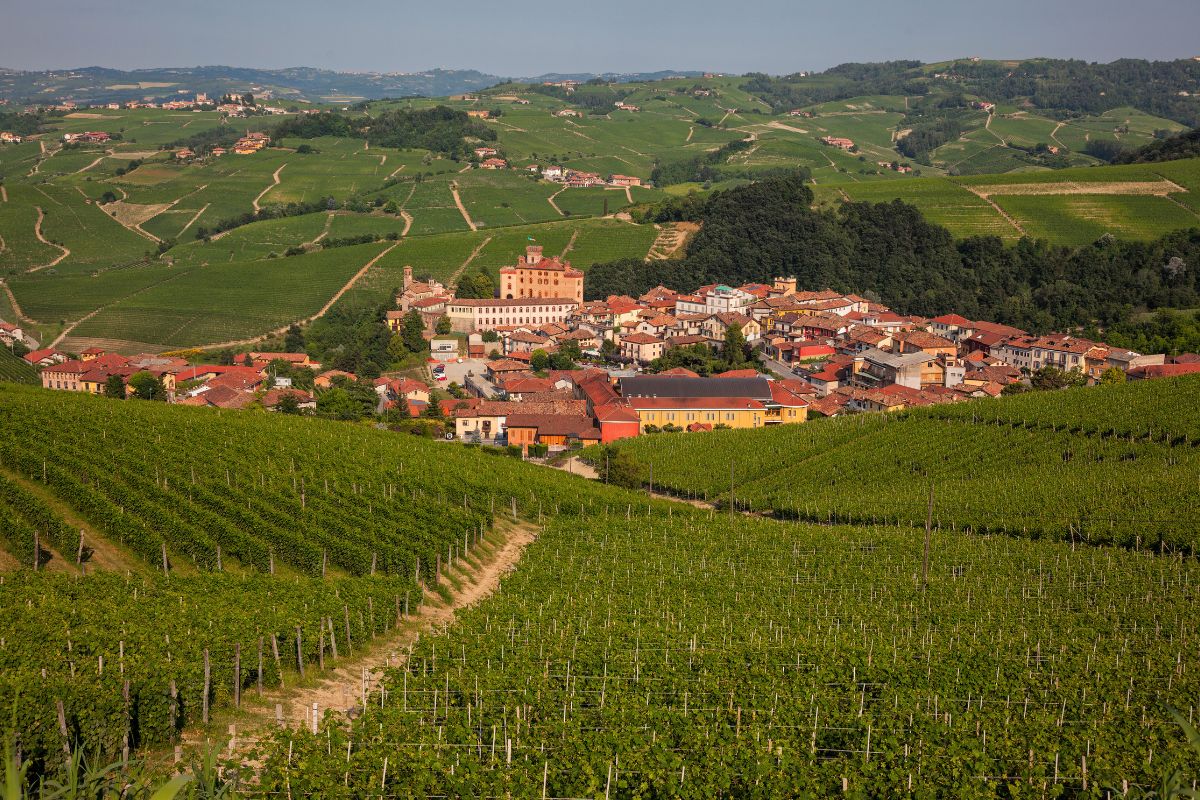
x: 1080, y: 219
x: 15, y: 370
x: 149, y: 128
x: 95, y: 239
x: 53, y: 298
x: 640, y: 646
x: 942, y: 202
x: 1140, y: 437
x: 254, y: 241
x: 201, y: 305
x: 678, y: 656
x: 18, y: 218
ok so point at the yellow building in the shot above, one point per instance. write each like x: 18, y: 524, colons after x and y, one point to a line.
x: 735, y: 412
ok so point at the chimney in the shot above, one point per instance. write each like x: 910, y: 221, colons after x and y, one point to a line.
x: 533, y: 254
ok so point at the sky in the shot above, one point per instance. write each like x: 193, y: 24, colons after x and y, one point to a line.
x: 519, y: 38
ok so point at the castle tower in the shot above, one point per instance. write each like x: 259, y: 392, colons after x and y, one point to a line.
x: 533, y: 254
x: 407, y: 277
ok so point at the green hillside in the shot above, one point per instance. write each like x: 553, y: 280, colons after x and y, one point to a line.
x: 14, y: 369
x: 1040, y: 465
x: 640, y: 639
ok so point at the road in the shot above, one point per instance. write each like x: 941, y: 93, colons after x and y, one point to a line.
x: 780, y: 369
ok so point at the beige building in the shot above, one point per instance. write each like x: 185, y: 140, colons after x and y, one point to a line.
x: 539, y: 277
x: 468, y: 316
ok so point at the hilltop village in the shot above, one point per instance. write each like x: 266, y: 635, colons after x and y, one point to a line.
x: 538, y: 365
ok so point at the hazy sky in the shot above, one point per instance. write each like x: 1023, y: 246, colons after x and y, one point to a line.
x: 529, y: 37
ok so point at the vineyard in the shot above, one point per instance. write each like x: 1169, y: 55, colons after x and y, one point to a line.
x: 679, y: 655
x: 1041, y: 465
x: 232, y: 530
x: 643, y: 647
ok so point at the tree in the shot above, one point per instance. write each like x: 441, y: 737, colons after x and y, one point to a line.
x: 114, y: 387
x: 293, y: 340
x: 443, y: 325
x: 618, y: 467
x: 288, y: 404
x: 1112, y: 375
x: 413, y: 332
x: 338, y: 404
x: 539, y: 360
x: 491, y: 336
x: 146, y: 386
x: 735, y: 346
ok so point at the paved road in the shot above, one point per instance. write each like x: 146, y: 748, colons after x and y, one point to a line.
x: 780, y: 369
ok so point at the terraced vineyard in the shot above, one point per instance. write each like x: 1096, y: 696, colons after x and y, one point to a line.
x: 14, y: 369
x: 1040, y: 465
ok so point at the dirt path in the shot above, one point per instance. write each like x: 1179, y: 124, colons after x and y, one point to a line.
x: 94, y: 163
x: 3, y: 194
x: 987, y: 126
x: 105, y: 555
x: 461, y: 208
x: 192, y: 221
x: 781, y: 127
x: 37, y: 231
x: 342, y: 688
x: 324, y: 309
x: 553, y: 204
x: 453, y: 282
x: 570, y: 244
x: 408, y: 221
x: 1054, y: 137
x: 691, y: 131
x: 987, y: 199
x: 629, y: 195
x: 274, y: 183
x: 16, y: 307
x: 396, y: 171
x: 324, y: 232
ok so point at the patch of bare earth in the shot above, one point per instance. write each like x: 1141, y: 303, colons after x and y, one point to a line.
x: 1156, y: 188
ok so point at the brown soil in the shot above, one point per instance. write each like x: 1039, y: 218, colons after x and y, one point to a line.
x: 1157, y: 188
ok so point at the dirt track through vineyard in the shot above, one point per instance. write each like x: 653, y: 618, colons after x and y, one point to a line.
x: 341, y: 688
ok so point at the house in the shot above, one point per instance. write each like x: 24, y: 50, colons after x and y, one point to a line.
x: 304, y: 400
x: 552, y: 173
x: 7, y: 137
x: 716, y: 326
x: 875, y: 369
x: 537, y: 276
x: 641, y: 347
x: 1059, y: 350
x: 554, y: 430
x: 486, y: 420
x: 401, y: 388
x: 1151, y: 371
x: 623, y: 106
x: 486, y: 152
x: 493, y: 163
x: 478, y: 113
x: 624, y: 180
x: 325, y: 379
x: 443, y: 349
x: 839, y: 142
x: 952, y: 327
x: 925, y: 342
x: 45, y: 357
x: 617, y: 420
x: 567, y: 112
x: 293, y: 359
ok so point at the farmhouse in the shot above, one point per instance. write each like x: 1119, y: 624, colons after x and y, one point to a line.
x: 840, y: 142
x: 494, y: 163
x: 625, y: 180
x: 479, y: 113
x: 7, y: 137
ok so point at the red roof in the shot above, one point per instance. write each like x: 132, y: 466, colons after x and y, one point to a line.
x: 35, y: 356
x: 738, y: 373
x: 641, y: 338
x: 1165, y: 370
x: 682, y: 371
x: 616, y: 412
x: 953, y: 319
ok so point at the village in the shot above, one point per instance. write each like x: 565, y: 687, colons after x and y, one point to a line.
x: 538, y: 365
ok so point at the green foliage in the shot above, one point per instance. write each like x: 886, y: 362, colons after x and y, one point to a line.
x: 1183, y: 145
x: 114, y: 387
x: 443, y: 326
x: 146, y: 386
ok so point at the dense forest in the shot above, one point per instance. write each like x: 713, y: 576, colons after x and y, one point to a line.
x: 1183, y: 145
x: 888, y: 252
x: 1163, y: 88
x: 439, y: 129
